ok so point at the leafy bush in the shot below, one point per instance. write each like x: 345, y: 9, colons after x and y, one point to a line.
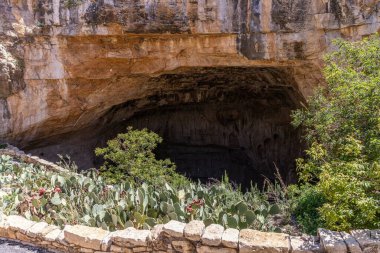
x: 306, y: 200
x: 130, y: 157
x: 342, y: 128
x: 71, y: 198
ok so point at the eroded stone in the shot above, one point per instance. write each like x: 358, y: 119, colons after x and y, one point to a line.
x: 351, y: 243
x: 37, y: 228
x: 305, y: 244
x: 52, y: 235
x: 194, y: 230
x: 212, y: 235
x: 19, y: 223
x: 174, y: 228
x: 332, y: 241
x: 132, y: 236
x: 230, y: 238
x: 368, y: 240
x: 263, y: 242
x: 4, y: 226
x: 106, y: 242
x: 156, y: 231
x: 87, y: 237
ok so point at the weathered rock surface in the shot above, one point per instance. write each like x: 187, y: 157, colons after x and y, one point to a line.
x: 261, y: 242
x: 305, y: 245
x: 230, y: 238
x: 351, y: 243
x: 212, y: 235
x: 174, y: 228
x: 84, y: 236
x: 131, y: 236
x: 214, y: 239
x: 369, y: 240
x: 332, y: 241
x: 69, y: 72
x: 18, y: 223
x: 194, y: 230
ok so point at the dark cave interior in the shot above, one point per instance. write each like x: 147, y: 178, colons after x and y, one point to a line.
x: 212, y: 120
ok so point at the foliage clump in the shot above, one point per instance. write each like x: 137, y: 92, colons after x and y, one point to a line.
x: 342, y: 129
x: 130, y: 157
x: 70, y: 198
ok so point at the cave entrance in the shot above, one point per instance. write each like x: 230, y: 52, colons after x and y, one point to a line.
x: 213, y: 120
x: 233, y: 120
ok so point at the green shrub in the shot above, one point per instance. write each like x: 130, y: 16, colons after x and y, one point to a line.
x: 71, y: 198
x: 342, y: 128
x: 130, y: 157
x: 306, y: 201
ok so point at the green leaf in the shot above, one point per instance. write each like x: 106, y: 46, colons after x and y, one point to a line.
x: 35, y: 203
x: 173, y: 216
x: 129, y: 224
x: 43, y: 201
x: 232, y: 222
x: 241, y: 207
x: 261, y: 218
x: 208, y: 222
x: 275, y: 209
x: 250, y: 217
x: 56, y: 200
x: 151, y: 222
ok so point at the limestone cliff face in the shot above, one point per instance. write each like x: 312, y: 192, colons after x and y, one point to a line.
x: 83, y: 60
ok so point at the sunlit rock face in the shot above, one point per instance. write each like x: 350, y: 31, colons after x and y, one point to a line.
x: 217, y: 79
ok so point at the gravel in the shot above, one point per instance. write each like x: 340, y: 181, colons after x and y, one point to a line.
x: 10, y: 246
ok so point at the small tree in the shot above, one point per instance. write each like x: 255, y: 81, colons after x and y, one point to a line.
x: 342, y: 128
x: 130, y: 157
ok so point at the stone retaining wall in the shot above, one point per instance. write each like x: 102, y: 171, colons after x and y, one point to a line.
x: 176, y: 236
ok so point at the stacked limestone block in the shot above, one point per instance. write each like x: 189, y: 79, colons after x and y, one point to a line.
x: 184, y: 238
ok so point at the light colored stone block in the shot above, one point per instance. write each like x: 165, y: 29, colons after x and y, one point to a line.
x: 305, y: 245
x: 351, y: 243
x: 230, y: 238
x: 194, y: 230
x: 86, y: 237
x: 212, y: 235
x: 132, y: 236
x: 106, y: 242
x: 332, y: 241
x: 36, y: 229
x: 4, y: 227
x: 174, y: 228
x: 46, y: 230
x: 156, y: 231
x: 263, y: 242
x: 52, y: 235
x: 19, y: 223
x: 375, y: 234
x: 369, y: 240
